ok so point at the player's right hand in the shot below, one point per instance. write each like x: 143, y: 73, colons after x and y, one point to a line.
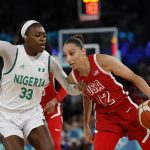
x: 81, y: 86
x: 88, y: 135
x: 50, y: 106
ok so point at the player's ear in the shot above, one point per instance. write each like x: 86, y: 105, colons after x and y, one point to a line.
x: 83, y: 51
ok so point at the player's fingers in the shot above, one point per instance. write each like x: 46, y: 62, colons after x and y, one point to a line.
x: 49, y: 109
x: 88, y: 137
x: 89, y: 140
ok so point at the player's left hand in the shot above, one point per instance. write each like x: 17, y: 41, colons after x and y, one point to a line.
x: 81, y: 86
x: 50, y: 106
x: 88, y: 134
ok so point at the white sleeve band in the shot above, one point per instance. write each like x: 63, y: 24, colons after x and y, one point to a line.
x: 61, y: 77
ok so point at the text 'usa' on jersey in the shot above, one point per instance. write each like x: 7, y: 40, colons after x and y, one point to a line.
x: 102, y: 87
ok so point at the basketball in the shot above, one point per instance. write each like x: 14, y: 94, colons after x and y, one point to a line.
x: 144, y: 114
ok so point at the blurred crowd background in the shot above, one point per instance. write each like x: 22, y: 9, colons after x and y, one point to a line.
x: 131, y: 17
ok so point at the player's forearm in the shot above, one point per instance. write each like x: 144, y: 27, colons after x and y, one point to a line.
x: 142, y: 85
x: 71, y: 90
x: 62, y: 78
x: 87, y: 105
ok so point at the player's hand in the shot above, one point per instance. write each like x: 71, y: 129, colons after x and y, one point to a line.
x: 88, y: 135
x: 81, y: 86
x: 50, y: 106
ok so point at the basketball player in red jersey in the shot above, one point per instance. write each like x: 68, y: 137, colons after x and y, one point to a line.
x: 54, y: 119
x: 116, y: 114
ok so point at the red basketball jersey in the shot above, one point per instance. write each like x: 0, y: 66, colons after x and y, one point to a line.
x: 102, y: 87
x: 115, y: 112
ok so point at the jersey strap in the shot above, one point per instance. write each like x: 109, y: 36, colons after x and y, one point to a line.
x: 49, y: 66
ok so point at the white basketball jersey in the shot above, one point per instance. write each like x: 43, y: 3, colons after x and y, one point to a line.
x: 23, y: 85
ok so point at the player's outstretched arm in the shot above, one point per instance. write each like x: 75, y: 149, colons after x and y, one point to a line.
x: 62, y: 77
x: 111, y: 64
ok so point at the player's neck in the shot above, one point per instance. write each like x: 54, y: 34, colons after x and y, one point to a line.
x: 85, y: 68
x: 29, y: 50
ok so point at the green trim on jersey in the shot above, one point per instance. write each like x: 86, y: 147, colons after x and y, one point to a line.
x: 49, y: 66
x: 13, y: 64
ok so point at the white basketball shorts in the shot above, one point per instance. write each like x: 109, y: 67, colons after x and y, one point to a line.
x: 21, y: 123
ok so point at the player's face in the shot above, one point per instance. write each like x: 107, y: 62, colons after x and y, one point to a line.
x: 36, y: 39
x: 73, y: 55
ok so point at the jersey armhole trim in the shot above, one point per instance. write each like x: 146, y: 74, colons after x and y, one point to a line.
x: 13, y: 64
x: 49, y: 67
x: 96, y: 62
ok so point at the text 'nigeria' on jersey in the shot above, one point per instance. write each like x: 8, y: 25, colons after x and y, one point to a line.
x: 29, y: 81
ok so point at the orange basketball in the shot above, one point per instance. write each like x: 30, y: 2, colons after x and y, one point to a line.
x: 144, y: 114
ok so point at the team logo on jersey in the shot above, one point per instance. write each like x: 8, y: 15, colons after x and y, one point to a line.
x: 95, y: 72
x: 41, y: 69
x: 128, y: 109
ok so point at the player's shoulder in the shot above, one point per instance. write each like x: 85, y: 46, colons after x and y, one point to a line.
x: 104, y: 58
x: 45, y: 53
x: 44, y: 57
x: 105, y: 61
x: 101, y: 58
x: 5, y: 45
x: 7, y: 48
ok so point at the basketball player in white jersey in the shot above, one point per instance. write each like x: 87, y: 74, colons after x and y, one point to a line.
x: 26, y: 71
